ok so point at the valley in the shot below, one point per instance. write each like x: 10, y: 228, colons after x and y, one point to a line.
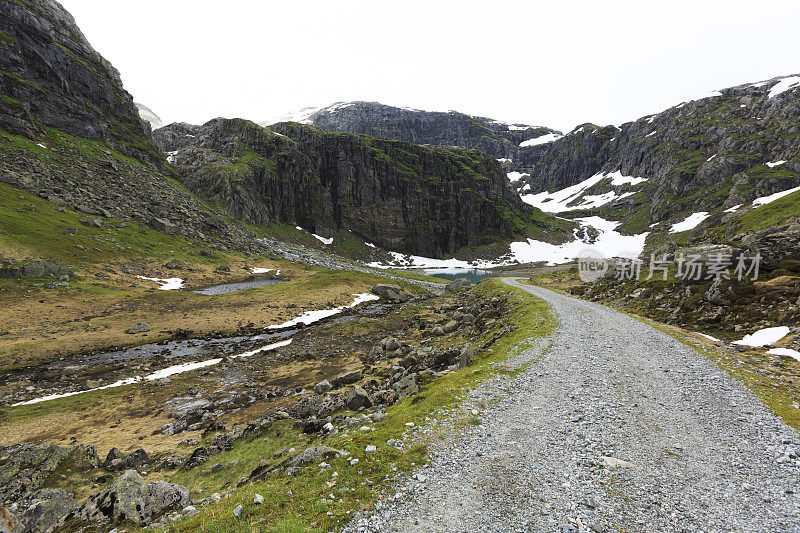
x: 363, y: 317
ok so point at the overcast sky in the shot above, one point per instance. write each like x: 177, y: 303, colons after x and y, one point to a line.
x: 557, y: 63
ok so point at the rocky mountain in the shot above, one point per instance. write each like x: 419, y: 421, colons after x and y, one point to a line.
x: 422, y: 200
x: 497, y: 139
x: 711, y: 157
x: 70, y: 133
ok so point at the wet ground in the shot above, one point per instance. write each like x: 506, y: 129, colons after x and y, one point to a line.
x: 227, y: 288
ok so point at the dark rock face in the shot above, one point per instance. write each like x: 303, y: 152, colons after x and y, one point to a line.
x: 74, y: 135
x: 427, y: 127
x: 24, y: 468
x: 50, y: 76
x: 422, y: 200
x: 699, y: 155
x: 40, y: 511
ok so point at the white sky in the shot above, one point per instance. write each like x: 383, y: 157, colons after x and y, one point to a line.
x: 556, y: 63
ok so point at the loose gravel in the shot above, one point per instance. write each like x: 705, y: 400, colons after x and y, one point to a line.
x: 615, y: 427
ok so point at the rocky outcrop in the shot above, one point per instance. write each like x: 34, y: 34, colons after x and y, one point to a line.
x: 130, y: 499
x: 25, y: 468
x: 51, y: 77
x: 701, y: 155
x: 497, y: 139
x: 71, y: 134
x: 423, y: 200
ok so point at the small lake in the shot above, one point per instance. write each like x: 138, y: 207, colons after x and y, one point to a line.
x: 227, y: 288
x: 474, y: 275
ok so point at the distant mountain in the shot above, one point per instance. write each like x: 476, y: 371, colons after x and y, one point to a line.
x: 495, y: 138
x: 423, y: 200
x: 149, y: 116
x: 690, y: 174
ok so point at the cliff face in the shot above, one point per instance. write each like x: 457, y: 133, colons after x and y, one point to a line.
x: 70, y: 133
x: 50, y: 76
x: 496, y: 138
x: 415, y: 199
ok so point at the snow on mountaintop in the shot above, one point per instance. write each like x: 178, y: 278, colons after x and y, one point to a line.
x: 567, y: 199
x: 303, y: 115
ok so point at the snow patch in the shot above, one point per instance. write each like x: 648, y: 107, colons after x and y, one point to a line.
x: 788, y: 352
x: 764, y: 200
x: 618, y: 179
x: 167, y: 284
x: 784, y: 85
x: 690, y: 222
x: 516, y: 176
x: 544, y: 139
x: 764, y: 337
x: 322, y: 239
x: 309, y: 317
x: 159, y: 374
x: 775, y: 163
x: 733, y: 209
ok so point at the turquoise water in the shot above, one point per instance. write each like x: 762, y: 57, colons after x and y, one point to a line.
x: 472, y: 274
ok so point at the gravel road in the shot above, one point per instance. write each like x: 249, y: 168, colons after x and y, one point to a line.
x: 615, y: 427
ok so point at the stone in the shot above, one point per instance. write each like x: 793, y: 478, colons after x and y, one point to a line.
x: 450, y: 327
x: 163, y: 225
x: 315, y: 454
x: 258, y: 499
x: 42, y: 510
x: 356, y: 398
x: 346, y: 378
x: 306, y: 407
x: 129, y: 499
x: 370, y: 448
x: 458, y: 285
x: 613, y: 462
x: 392, y: 293
x: 437, y: 331
x: 390, y: 344
x: 139, y: 327
x: 237, y: 511
x: 323, y: 386
x: 406, y: 386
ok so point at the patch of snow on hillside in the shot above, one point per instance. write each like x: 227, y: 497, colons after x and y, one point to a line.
x: 516, y: 176
x: 764, y: 337
x: 544, y: 139
x: 557, y: 201
x: 309, y: 317
x: 710, y: 158
x: 784, y: 85
x: 167, y: 284
x: 788, y: 352
x: 322, y: 239
x: 505, y: 160
x: 618, y: 179
x: 690, y: 222
x: 609, y: 243
x: 709, y: 337
x: 733, y: 209
x: 764, y: 200
x: 775, y: 163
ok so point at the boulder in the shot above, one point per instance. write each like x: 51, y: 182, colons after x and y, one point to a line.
x: 306, y: 407
x: 356, y: 398
x: 323, y: 386
x: 346, y: 378
x: 458, y: 285
x: 392, y: 293
x: 450, y: 327
x: 130, y: 499
x: 42, y: 510
x: 25, y: 467
x: 164, y: 226
x: 314, y: 454
x: 139, y: 327
x: 467, y: 356
x: 406, y: 386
